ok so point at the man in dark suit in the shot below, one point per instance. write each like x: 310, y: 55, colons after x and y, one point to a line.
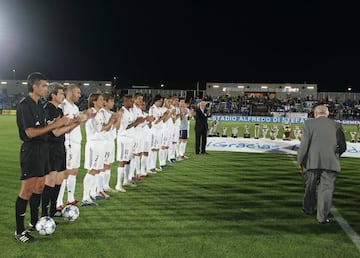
x: 322, y: 143
x: 201, y: 127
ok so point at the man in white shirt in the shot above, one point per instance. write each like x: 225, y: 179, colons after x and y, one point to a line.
x: 156, y: 132
x: 95, y: 149
x: 73, y: 147
x: 125, y: 142
x: 109, y: 138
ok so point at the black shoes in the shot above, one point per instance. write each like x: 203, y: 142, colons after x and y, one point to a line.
x: 25, y: 237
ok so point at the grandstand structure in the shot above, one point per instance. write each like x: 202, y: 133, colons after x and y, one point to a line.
x: 259, y: 99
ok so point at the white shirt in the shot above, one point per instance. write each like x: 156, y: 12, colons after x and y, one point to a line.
x: 128, y: 117
x: 93, y: 127
x: 74, y: 136
x: 157, y: 112
x: 111, y: 134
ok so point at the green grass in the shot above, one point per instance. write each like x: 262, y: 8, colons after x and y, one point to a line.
x: 220, y: 205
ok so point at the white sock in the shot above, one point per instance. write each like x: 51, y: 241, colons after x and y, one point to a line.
x: 177, y: 152
x: 144, y: 167
x: 150, y: 160
x: 60, y: 197
x: 71, y: 183
x: 126, y: 174
x: 106, y: 178
x: 132, y: 168
x: 185, y: 147
x: 137, y: 165
x: 182, y: 148
x: 171, y: 152
x: 162, y: 157
x: 94, y: 185
x: 155, y: 159
x: 88, y: 181
x: 120, y: 176
x: 100, y: 182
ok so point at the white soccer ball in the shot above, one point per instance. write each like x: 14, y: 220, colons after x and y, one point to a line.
x: 70, y: 213
x: 45, y: 226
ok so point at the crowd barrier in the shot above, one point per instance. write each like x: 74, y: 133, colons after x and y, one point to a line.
x: 267, y: 146
x: 270, y: 119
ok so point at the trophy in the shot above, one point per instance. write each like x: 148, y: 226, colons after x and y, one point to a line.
x: 213, y: 129
x: 353, y: 135
x: 264, y: 130
x: 247, y: 133
x: 256, y: 131
x: 297, y: 132
x: 287, y: 133
x: 224, y: 132
x: 274, y: 132
x: 234, y: 132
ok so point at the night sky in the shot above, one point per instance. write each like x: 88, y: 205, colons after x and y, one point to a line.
x: 178, y: 43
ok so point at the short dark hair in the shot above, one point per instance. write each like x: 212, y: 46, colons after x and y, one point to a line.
x: 35, y: 78
x: 127, y: 97
x: 93, y: 97
x: 157, y: 97
x: 54, y: 88
x: 107, y: 96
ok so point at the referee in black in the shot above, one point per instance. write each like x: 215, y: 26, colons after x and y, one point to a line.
x: 56, y: 140
x: 30, y: 118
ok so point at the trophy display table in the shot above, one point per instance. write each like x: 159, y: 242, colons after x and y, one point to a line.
x: 267, y: 146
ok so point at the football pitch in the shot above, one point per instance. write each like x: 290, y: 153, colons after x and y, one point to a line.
x: 219, y: 205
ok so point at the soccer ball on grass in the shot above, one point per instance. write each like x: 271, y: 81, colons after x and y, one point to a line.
x: 70, y: 213
x: 45, y: 226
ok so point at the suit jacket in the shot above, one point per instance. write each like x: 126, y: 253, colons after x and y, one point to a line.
x: 322, y: 143
x: 201, y: 120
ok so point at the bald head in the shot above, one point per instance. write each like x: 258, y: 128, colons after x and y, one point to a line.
x: 321, y: 110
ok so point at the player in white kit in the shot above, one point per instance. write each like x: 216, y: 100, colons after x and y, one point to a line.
x: 109, y: 137
x: 156, y: 132
x: 167, y: 129
x: 94, y: 149
x: 73, y: 148
x: 135, y: 161
x: 125, y: 142
x: 174, y: 137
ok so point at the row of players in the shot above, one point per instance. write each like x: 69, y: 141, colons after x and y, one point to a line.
x: 143, y: 141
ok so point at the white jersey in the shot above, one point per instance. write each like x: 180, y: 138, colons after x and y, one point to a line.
x: 157, y: 112
x: 71, y: 110
x: 170, y: 122
x: 93, y: 127
x: 177, y: 113
x: 111, y: 134
x: 127, y: 118
x: 184, y: 122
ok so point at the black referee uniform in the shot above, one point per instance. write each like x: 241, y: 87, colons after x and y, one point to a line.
x: 57, y: 159
x: 34, y: 159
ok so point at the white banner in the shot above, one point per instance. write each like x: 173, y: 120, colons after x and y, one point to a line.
x: 267, y: 146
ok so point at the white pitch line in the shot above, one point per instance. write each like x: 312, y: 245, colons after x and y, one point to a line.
x: 354, y: 237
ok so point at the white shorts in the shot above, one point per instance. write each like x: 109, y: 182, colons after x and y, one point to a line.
x: 176, y: 134
x: 125, y: 148
x: 73, y: 155
x: 145, y: 140
x: 94, y: 155
x: 155, y: 139
x: 109, y: 152
x: 165, y: 137
x: 137, y: 144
